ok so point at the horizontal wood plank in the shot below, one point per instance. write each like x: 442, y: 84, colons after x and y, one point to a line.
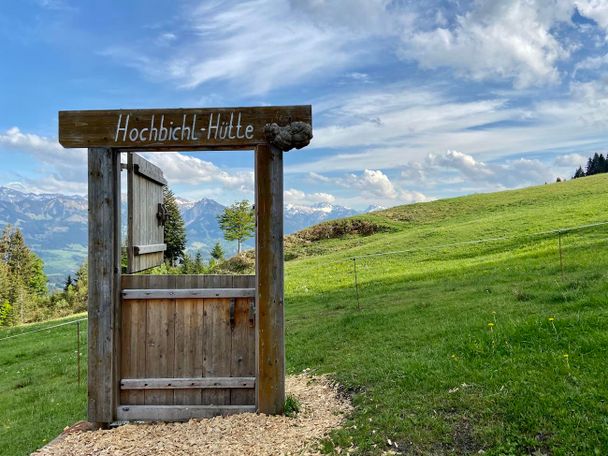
x: 148, y: 170
x: 151, y: 248
x: 186, y: 383
x: 178, y: 412
x: 188, y: 293
x: 166, y: 128
x: 134, y: 281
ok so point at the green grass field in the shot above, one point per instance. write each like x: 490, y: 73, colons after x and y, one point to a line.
x: 456, y: 349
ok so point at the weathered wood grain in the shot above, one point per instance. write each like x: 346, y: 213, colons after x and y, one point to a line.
x: 160, y: 341
x: 133, y: 281
x: 151, y: 248
x: 217, y: 346
x: 143, y: 131
x: 188, y: 293
x: 269, y: 273
x: 104, y: 279
x: 145, y: 243
x: 189, y: 327
x: 133, y: 347
x: 187, y: 383
x: 178, y: 412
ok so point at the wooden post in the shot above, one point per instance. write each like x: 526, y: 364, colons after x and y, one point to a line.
x: 270, y: 334
x: 104, y: 284
x: 78, y: 351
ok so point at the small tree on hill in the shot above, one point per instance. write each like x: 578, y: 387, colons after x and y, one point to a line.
x: 238, y: 222
x: 217, y: 253
x: 175, y: 229
x: 579, y: 173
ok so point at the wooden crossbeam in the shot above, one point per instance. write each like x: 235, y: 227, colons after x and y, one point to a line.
x: 186, y: 383
x: 188, y: 293
x: 177, y: 412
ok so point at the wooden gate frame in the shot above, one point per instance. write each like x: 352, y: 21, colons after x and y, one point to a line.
x: 270, y: 131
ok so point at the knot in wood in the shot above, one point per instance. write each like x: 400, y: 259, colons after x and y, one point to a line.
x: 296, y: 134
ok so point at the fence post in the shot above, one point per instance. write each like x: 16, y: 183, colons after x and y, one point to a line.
x: 78, y: 349
x: 356, y: 282
x: 561, y: 259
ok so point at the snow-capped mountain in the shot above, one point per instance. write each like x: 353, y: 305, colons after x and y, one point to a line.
x: 55, y: 225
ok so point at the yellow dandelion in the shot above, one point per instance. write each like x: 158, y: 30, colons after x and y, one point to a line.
x: 566, y: 355
x: 490, y: 324
x: 551, y: 318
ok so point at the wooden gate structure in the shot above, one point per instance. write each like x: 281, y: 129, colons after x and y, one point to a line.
x: 171, y: 348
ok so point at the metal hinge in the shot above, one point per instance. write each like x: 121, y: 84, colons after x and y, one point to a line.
x: 162, y: 215
x: 232, y: 318
x: 251, y: 312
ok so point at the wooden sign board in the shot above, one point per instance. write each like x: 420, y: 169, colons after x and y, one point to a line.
x: 146, y: 245
x: 150, y: 129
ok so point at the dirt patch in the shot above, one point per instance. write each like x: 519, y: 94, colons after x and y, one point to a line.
x: 322, y: 409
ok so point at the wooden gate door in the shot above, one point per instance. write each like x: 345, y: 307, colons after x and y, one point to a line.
x: 188, y: 347
x: 187, y: 342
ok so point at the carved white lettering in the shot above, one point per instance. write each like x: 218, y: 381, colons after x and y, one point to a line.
x: 119, y: 128
x: 220, y: 127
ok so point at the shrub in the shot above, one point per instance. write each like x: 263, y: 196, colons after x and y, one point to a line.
x: 292, y: 406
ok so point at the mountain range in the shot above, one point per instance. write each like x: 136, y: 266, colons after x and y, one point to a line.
x: 55, y: 225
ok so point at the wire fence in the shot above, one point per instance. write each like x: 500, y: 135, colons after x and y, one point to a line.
x: 568, y: 253
x: 565, y: 251
x: 49, y: 330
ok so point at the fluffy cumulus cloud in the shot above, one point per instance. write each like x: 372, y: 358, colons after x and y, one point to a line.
x: 458, y: 168
x: 371, y: 186
x: 185, y: 169
x: 62, y: 170
x: 512, y: 39
x: 570, y: 161
x: 594, y: 9
x: 295, y: 196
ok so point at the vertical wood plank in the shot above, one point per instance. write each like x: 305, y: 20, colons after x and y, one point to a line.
x: 160, y: 340
x: 270, y: 386
x: 217, y: 344
x: 188, y: 340
x: 242, y: 360
x: 104, y: 283
x: 133, y: 356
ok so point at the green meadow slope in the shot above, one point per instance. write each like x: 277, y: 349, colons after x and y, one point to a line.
x: 458, y: 346
x: 477, y: 346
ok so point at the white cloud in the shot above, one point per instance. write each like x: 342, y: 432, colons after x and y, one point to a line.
x: 62, y: 170
x: 508, y: 39
x: 594, y: 9
x: 374, y: 182
x: 295, y: 196
x: 463, y: 169
x: 372, y: 186
x: 570, y: 160
x: 185, y: 169
x: 257, y: 45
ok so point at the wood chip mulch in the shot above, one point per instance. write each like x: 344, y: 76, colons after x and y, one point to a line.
x: 322, y: 409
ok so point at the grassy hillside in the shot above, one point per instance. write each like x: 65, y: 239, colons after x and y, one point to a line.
x: 468, y: 347
x: 39, y: 392
x: 456, y: 349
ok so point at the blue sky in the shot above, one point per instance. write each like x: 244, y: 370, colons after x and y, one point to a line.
x: 412, y: 101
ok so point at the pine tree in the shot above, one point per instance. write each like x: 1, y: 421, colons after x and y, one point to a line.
x: 198, y: 266
x: 68, y: 283
x: 602, y: 165
x: 25, y: 268
x: 238, y: 222
x: 175, y: 229
x: 217, y: 252
x: 579, y: 173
